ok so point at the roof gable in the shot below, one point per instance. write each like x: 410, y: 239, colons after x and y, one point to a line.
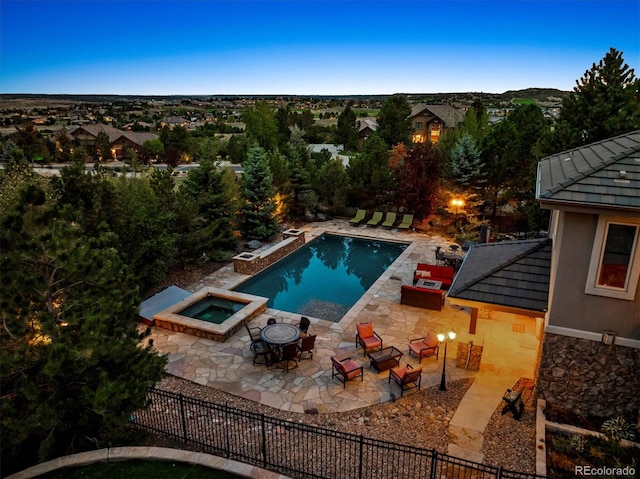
x: 606, y: 173
x: 447, y: 114
x: 513, y: 274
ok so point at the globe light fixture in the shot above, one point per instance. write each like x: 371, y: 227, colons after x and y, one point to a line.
x: 445, y: 338
x: 456, y: 203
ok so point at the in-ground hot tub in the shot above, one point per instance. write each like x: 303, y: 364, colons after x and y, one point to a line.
x: 211, y: 313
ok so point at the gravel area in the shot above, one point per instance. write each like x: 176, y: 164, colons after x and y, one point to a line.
x: 421, y: 419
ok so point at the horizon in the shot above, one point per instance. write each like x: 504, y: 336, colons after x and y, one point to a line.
x: 306, y: 47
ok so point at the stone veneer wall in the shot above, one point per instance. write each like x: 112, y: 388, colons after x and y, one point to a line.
x: 589, y: 377
x: 474, y: 359
x: 258, y: 262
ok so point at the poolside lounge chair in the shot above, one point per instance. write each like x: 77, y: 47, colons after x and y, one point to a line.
x: 390, y: 219
x: 346, y: 369
x: 407, y: 221
x: 359, y: 217
x: 367, y: 337
x: 425, y: 347
x: 375, y: 219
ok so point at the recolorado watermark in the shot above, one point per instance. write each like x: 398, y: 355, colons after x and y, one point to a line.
x: 604, y: 471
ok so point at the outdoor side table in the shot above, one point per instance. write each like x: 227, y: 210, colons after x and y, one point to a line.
x: 385, y: 359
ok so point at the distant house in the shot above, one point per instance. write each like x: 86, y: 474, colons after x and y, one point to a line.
x: 590, y: 359
x: 131, y: 139
x: 367, y: 126
x: 174, y: 121
x: 86, y: 135
x: 431, y: 121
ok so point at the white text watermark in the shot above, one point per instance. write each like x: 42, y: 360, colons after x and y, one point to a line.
x: 604, y: 471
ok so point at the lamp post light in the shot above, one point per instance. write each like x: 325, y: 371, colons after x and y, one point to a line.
x: 445, y: 338
x: 456, y: 202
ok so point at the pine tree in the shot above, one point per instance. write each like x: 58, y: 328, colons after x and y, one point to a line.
x: 466, y: 163
x: 71, y: 369
x: 394, y: 124
x: 604, y: 103
x: 257, y: 214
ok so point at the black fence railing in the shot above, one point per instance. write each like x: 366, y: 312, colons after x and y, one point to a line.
x: 298, y: 450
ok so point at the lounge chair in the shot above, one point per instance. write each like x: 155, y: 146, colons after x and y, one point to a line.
x: 407, y: 221
x: 389, y: 220
x: 425, y: 347
x: 346, y: 369
x: 375, y: 219
x: 359, y: 217
x: 367, y: 337
x: 406, y: 377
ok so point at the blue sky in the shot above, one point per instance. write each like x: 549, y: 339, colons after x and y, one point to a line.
x: 307, y: 47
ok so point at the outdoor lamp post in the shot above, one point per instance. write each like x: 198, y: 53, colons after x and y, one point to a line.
x: 456, y: 202
x: 445, y: 338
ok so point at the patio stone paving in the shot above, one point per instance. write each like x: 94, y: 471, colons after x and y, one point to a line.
x: 509, y: 352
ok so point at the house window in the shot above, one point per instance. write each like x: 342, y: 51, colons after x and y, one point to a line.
x: 418, y: 125
x: 418, y: 139
x: 615, y: 260
x: 435, y: 132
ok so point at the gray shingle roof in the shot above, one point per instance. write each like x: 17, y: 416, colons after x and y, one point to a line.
x: 449, y: 115
x: 606, y: 173
x: 514, y: 274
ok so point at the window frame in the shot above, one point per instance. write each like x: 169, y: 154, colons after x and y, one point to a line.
x: 597, y: 253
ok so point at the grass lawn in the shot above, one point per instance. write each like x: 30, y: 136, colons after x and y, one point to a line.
x: 138, y: 469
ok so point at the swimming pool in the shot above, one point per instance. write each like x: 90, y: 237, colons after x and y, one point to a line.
x: 325, y: 277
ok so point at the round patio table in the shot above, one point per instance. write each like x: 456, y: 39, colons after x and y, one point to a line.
x: 280, y: 333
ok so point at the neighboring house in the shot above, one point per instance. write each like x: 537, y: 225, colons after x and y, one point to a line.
x: 431, y: 121
x: 367, y: 126
x: 590, y: 359
x: 131, y: 139
x: 87, y: 135
x: 174, y: 121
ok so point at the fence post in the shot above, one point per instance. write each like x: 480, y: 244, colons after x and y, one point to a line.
x: 361, y: 454
x: 434, y: 460
x: 264, y: 441
x: 184, y: 418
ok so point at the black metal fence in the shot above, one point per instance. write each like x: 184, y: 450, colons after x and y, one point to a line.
x: 298, y: 450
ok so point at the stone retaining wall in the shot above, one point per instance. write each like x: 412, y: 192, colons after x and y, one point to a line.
x: 589, y: 377
x: 252, y: 263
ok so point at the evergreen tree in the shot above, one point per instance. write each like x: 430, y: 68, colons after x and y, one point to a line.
x: 347, y: 130
x: 371, y: 179
x: 604, y: 103
x: 394, y: 124
x: 71, y: 370
x: 207, y: 229
x: 257, y: 213
x: 261, y: 126
x: 332, y: 185
x: 466, y: 163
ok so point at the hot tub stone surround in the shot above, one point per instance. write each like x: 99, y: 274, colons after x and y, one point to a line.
x: 252, y: 263
x: 171, y: 318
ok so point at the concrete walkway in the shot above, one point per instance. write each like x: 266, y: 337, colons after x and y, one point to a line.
x: 509, y: 345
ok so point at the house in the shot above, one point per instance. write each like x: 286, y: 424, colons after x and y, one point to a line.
x: 431, y: 121
x: 590, y: 356
x: 581, y: 285
x: 87, y: 135
x: 367, y: 126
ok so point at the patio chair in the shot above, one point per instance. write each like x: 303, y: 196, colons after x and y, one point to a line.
x: 367, y: 337
x: 254, y: 336
x: 262, y: 354
x: 303, y: 325
x: 346, y: 369
x: 271, y: 321
x: 406, y: 377
x: 407, y: 221
x: 306, y: 345
x: 425, y: 346
x: 288, y: 355
x: 359, y: 217
x: 375, y: 219
x: 389, y: 220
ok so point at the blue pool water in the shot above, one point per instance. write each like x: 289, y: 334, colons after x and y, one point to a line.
x: 325, y: 277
